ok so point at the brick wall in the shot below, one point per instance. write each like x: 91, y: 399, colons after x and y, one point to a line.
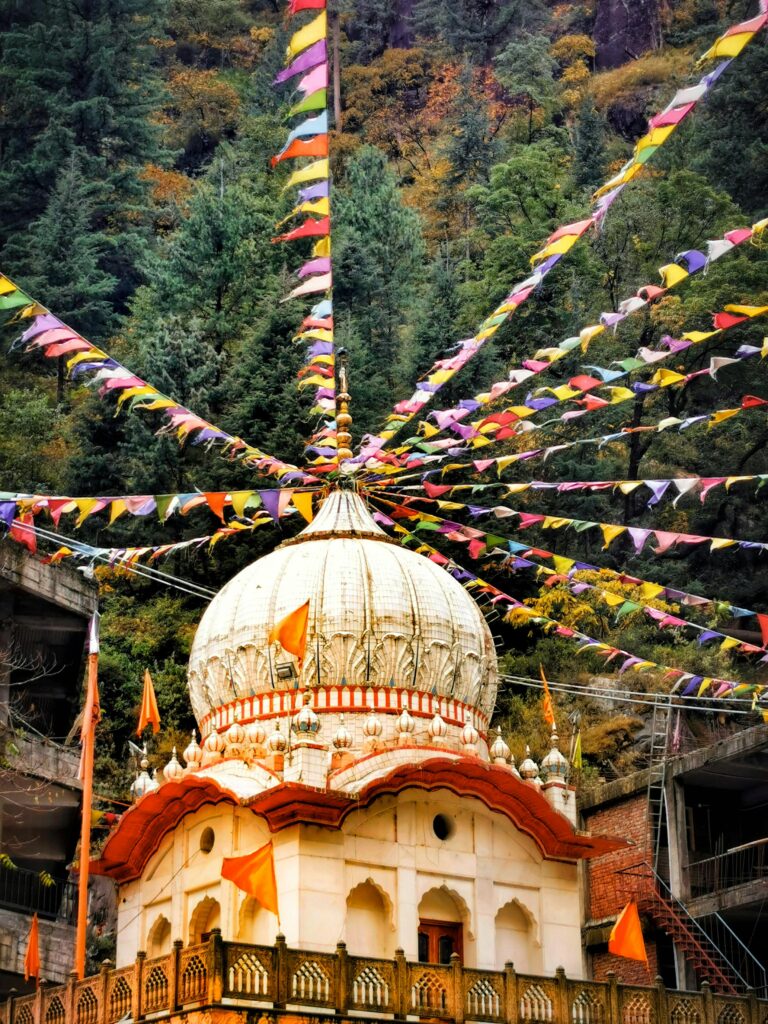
x: 629, y: 972
x: 607, y: 889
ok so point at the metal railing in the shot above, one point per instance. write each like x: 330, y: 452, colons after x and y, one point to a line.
x: 738, y: 866
x: 32, y: 893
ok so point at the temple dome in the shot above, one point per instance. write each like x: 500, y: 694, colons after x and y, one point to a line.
x: 379, y: 615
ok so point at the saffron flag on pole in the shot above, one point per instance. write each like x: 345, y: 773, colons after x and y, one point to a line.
x: 626, y: 937
x: 149, y: 713
x: 549, y: 711
x: 255, y: 874
x: 291, y: 632
x: 32, y: 957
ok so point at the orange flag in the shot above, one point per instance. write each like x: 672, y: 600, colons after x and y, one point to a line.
x: 291, y: 632
x: 149, y: 711
x: 255, y: 874
x: 549, y: 711
x: 627, y: 935
x: 32, y: 958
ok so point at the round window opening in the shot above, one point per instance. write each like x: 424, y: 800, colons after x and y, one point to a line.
x: 207, y: 839
x: 442, y: 826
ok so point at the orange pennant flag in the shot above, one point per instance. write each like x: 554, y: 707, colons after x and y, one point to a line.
x: 549, y: 710
x: 291, y: 632
x: 149, y: 710
x: 32, y: 958
x: 626, y: 937
x: 255, y: 874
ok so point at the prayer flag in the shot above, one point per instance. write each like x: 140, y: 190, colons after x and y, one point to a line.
x: 149, y: 715
x: 291, y: 632
x: 626, y: 937
x: 549, y: 711
x: 32, y: 957
x: 255, y: 874
x: 576, y: 759
x: 308, y: 35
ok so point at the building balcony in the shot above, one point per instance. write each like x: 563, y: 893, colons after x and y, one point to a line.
x: 221, y: 978
x: 735, y: 878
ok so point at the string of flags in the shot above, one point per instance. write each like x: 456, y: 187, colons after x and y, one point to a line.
x: 307, y: 56
x: 661, y: 127
x: 54, y: 339
x: 685, y: 265
x: 482, y: 545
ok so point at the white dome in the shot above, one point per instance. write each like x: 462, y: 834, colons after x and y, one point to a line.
x: 379, y: 615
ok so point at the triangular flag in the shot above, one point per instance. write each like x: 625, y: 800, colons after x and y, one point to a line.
x: 549, y: 711
x: 302, y: 500
x: 626, y: 937
x: 254, y: 873
x: 576, y: 759
x: 32, y: 957
x: 291, y: 632
x: 149, y: 713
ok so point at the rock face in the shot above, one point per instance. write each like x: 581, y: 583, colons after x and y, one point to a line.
x: 624, y: 29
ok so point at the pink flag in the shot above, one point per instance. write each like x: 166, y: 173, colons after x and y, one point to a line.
x: 316, y: 79
x: 319, y: 283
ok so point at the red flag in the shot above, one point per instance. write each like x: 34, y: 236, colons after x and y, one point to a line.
x: 317, y: 146
x: 32, y: 958
x: 763, y: 623
x: 255, y: 874
x: 722, y: 321
x: 626, y: 937
x: 294, y: 6
x: 549, y: 711
x: 309, y: 229
x: 149, y: 710
x: 22, y: 531
x: 291, y: 632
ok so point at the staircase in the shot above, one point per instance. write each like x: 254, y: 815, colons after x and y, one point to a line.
x: 698, y: 949
x: 657, y: 770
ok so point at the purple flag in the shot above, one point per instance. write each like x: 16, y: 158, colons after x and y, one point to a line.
x: 310, y: 58
x: 318, y: 191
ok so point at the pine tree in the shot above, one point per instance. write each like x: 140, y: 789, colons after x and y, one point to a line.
x: 79, y: 79
x: 589, y: 147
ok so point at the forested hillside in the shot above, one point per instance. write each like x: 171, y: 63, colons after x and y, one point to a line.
x: 137, y: 202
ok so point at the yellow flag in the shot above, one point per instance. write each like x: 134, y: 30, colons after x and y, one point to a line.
x: 318, y: 169
x: 311, y: 33
x: 610, y: 533
x: 576, y: 759
x: 302, y: 500
x: 728, y: 46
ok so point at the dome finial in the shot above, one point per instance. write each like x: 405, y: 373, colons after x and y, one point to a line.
x: 343, y: 417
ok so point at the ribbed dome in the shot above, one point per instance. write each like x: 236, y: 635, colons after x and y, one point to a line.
x: 379, y: 615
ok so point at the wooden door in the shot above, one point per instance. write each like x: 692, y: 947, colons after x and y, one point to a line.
x: 438, y: 940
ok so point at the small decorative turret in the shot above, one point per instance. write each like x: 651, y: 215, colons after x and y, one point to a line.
x: 438, y: 730
x: 343, y: 417
x: 342, y: 738
x: 306, y: 723
x: 143, y: 783
x: 500, y: 752
x: 255, y: 734
x: 529, y: 770
x: 469, y: 735
x: 173, y: 769
x: 193, y: 754
x: 213, y: 747
x: 405, y: 726
x: 554, y: 765
x: 372, y: 730
x: 276, y: 742
x: 513, y: 765
x: 234, y: 739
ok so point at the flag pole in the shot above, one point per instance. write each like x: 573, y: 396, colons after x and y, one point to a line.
x: 88, y: 737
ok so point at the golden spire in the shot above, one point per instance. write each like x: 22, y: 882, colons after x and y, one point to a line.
x: 343, y: 417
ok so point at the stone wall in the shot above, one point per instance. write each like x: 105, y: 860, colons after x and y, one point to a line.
x: 57, y: 946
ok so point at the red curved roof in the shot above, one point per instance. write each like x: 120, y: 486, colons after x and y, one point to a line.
x: 141, y: 829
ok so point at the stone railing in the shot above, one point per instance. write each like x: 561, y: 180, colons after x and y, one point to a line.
x: 231, y: 974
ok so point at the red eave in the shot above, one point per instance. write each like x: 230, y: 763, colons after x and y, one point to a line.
x: 142, y: 828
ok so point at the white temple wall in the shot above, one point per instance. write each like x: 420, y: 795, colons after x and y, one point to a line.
x: 368, y: 884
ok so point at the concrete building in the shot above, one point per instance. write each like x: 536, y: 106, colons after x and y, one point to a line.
x: 44, y: 614
x: 704, y: 907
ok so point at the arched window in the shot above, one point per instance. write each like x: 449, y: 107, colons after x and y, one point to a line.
x: 368, y: 927
x: 256, y: 925
x: 205, y: 917
x: 441, y: 926
x: 516, y: 939
x: 159, y: 938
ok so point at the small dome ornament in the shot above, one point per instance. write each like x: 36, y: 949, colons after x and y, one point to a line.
x: 469, y: 735
x: 529, y: 770
x: 306, y: 723
x: 173, y: 769
x: 513, y: 766
x: 405, y: 726
x: 555, y: 766
x: 255, y: 734
x: 193, y: 754
x: 234, y: 739
x: 276, y: 742
x: 438, y: 730
x: 372, y: 730
x: 342, y: 738
x: 143, y: 782
x: 500, y: 752
x: 214, y: 743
